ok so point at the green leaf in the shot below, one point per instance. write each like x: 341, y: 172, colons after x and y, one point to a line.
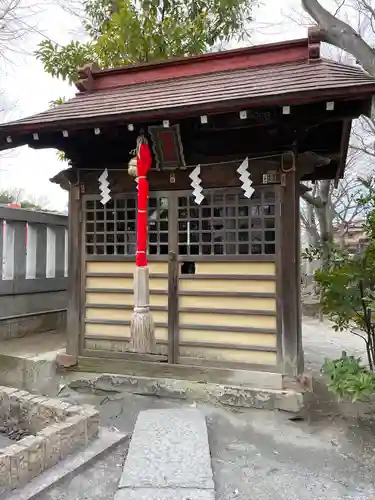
x: 124, y: 32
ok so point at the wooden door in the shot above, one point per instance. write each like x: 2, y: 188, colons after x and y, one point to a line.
x: 222, y: 308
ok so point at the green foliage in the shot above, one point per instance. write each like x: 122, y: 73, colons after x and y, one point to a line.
x: 62, y: 156
x: 6, y: 197
x: 349, y: 378
x: 29, y: 205
x: 347, y: 284
x: 63, y: 61
x: 336, y: 254
x: 16, y: 196
x: 57, y: 102
x: 128, y: 31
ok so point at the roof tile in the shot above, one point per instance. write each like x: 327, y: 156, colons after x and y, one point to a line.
x: 206, y: 89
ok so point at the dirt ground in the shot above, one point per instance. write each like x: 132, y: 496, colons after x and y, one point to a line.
x: 256, y: 454
x: 326, y: 453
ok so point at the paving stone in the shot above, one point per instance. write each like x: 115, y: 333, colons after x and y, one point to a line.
x: 106, y: 442
x: 169, y: 449
x: 77, y: 431
x: 72, y: 435
x: 164, y: 494
x: 73, y: 409
x: 4, y: 472
x: 35, y: 448
x: 26, y: 403
x: 92, y: 417
x: 8, y: 390
x: 19, y: 465
x: 51, y: 437
x: 59, y: 407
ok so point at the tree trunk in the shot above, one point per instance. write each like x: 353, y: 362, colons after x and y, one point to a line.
x: 325, y: 221
x: 341, y: 35
x: 321, y: 204
x: 312, y: 235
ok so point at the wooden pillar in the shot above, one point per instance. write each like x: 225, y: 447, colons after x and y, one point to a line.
x: 173, y: 341
x: 74, y: 272
x: 173, y: 280
x: 289, y: 292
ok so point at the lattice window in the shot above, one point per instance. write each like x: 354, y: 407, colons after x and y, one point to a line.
x: 158, y: 225
x: 111, y: 229
x: 227, y: 224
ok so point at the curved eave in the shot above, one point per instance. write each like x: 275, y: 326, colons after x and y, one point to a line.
x: 22, y: 134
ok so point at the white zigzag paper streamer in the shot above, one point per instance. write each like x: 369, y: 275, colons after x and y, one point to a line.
x: 104, y: 187
x: 245, y: 178
x: 196, y: 185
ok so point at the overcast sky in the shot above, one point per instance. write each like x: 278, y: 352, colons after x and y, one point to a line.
x: 26, y: 83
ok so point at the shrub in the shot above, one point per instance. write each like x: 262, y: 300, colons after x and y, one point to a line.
x: 348, y: 377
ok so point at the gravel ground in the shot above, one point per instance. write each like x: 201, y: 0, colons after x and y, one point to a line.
x: 256, y: 455
x: 320, y: 341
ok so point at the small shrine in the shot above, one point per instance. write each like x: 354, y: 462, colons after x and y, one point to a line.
x: 229, y: 137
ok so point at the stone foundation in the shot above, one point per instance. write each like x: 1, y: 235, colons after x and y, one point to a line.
x: 28, y: 324
x: 56, y: 430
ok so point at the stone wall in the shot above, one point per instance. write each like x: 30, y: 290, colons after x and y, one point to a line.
x: 18, y: 326
x: 56, y: 429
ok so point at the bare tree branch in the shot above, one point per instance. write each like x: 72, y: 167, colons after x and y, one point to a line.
x: 339, y: 7
x: 340, y: 34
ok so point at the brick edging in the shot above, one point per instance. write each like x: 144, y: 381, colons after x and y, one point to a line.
x: 67, y: 428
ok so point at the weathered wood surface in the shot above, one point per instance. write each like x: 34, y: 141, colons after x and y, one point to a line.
x: 173, y: 349
x: 75, y: 304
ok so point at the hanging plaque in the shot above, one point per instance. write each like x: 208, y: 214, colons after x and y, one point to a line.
x: 167, y: 147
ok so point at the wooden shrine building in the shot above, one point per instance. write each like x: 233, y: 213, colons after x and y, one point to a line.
x: 224, y: 274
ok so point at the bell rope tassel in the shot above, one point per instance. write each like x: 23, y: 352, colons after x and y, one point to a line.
x: 142, y: 328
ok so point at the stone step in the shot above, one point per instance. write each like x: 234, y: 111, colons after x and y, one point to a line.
x: 29, y: 363
x: 291, y: 399
x: 168, y: 458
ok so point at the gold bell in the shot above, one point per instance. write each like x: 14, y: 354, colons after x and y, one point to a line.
x: 132, y: 167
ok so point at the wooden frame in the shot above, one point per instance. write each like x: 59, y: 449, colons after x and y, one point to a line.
x: 74, y: 316
x: 289, y: 280
x: 173, y: 309
x: 161, y: 162
x: 175, y: 217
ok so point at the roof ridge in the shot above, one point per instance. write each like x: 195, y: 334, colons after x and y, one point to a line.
x: 218, y: 73
x: 257, y: 48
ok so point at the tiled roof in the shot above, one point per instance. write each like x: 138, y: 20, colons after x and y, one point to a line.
x: 251, y: 86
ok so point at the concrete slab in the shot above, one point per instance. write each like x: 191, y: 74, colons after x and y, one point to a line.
x: 34, y: 345
x: 29, y: 362
x: 69, y: 467
x: 166, y: 494
x: 169, y: 449
x: 228, y: 395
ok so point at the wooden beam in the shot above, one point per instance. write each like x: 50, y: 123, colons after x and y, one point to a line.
x: 173, y: 282
x: 74, y: 280
x: 346, y: 130
x: 289, y: 290
x: 204, y: 374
